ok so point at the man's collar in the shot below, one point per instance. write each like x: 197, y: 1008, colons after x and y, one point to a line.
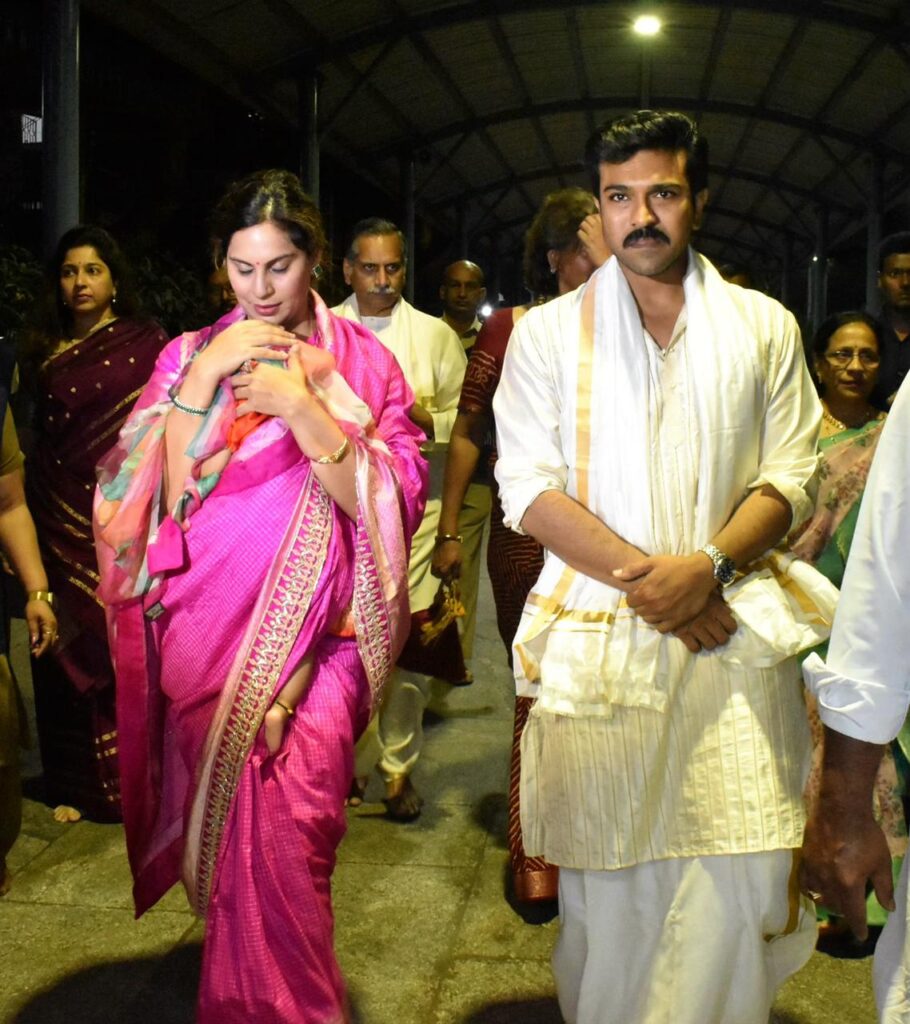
x: 471, y: 332
x: 355, y: 305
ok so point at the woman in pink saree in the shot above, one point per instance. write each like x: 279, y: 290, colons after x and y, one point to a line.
x: 252, y: 527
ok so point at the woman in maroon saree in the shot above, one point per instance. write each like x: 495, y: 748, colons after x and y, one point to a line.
x: 91, y: 359
x: 563, y: 246
x: 252, y: 524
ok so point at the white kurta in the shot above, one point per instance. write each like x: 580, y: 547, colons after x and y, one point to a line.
x: 432, y: 359
x: 864, y: 689
x: 433, y: 362
x: 638, y: 750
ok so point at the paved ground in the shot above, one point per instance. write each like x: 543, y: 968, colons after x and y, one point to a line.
x: 424, y: 932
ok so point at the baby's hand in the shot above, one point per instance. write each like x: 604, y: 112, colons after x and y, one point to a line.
x: 316, y: 364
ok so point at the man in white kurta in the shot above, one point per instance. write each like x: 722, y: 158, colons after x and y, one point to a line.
x: 863, y: 692
x: 656, y: 428
x: 433, y: 362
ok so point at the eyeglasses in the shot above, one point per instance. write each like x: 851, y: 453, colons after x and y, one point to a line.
x: 844, y: 357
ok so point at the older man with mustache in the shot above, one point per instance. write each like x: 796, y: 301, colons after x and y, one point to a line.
x: 433, y: 362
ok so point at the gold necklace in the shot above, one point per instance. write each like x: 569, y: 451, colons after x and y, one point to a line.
x: 68, y: 343
x: 870, y: 414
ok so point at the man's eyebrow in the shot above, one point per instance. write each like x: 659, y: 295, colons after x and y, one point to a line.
x: 620, y: 187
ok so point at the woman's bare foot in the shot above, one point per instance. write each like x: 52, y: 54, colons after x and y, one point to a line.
x: 64, y: 813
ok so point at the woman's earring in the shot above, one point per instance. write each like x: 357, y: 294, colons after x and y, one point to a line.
x: 318, y: 271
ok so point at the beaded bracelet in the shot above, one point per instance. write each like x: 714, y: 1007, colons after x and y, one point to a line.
x: 190, y: 410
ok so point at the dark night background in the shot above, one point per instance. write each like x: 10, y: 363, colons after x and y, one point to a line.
x: 158, y: 145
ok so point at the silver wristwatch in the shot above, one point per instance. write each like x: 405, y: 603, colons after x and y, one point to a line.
x: 724, y: 566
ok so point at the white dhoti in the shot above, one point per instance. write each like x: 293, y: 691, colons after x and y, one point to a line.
x: 395, y: 737
x: 891, y: 966
x: 715, y: 937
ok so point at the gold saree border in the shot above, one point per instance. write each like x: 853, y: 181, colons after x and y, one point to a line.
x: 264, y: 662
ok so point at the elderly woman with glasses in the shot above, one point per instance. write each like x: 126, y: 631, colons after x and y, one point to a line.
x: 846, y: 354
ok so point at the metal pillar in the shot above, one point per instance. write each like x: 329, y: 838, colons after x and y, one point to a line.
x: 409, y: 176
x: 874, y: 232
x: 786, y: 267
x: 818, y: 272
x: 494, y: 285
x: 62, y: 187
x: 645, y: 77
x: 308, y: 119
x: 463, y: 239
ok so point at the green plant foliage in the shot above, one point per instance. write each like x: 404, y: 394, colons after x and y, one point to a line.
x: 21, y: 281
x: 171, y: 293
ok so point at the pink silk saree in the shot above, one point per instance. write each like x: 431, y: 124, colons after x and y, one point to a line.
x: 211, y: 609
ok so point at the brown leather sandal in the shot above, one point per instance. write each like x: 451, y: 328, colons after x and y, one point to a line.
x: 402, y: 801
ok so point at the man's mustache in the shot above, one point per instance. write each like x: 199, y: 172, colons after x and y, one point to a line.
x: 642, y: 233
x: 381, y: 289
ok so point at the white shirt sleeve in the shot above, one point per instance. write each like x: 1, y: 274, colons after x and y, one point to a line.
x: 789, y: 439
x: 449, y: 372
x: 527, y: 409
x: 864, y: 689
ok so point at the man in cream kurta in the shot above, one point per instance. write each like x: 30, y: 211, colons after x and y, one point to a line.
x: 657, y: 432
x: 433, y: 362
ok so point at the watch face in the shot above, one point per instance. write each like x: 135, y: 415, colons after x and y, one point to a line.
x: 725, y: 571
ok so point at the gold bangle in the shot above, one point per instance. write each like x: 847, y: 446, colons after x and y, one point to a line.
x: 335, y: 456
x: 43, y: 595
x: 288, y: 711
x: 443, y: 538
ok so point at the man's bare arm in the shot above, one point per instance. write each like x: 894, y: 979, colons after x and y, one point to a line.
x: 465, y: 447
x: 843, y: 846
x: 758, y: 524
x: 578, y: 537
x: 669, y: 591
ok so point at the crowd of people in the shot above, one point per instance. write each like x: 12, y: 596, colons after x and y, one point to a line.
x: 231, y: 543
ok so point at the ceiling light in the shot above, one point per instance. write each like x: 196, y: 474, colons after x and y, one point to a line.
x: 647, y: 25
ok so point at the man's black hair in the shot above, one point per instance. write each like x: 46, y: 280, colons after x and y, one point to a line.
x: 620, y: 139
x: 899, y: 242
x: 370, y: 227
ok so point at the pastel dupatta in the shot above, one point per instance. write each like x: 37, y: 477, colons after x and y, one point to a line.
x: 845, y: 463
x: 186, y: 632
